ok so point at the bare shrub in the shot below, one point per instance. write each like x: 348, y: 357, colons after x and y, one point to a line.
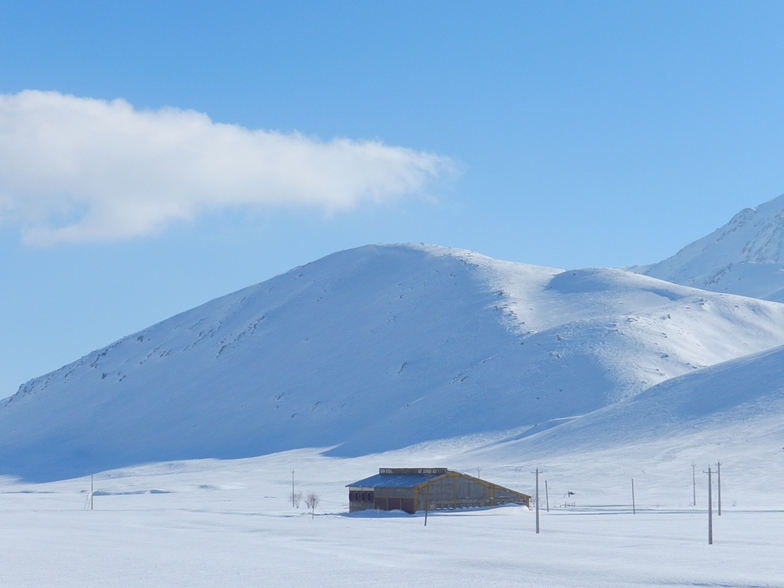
x: 312, y: 501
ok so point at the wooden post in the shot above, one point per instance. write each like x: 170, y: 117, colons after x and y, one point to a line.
x: 427, y: 501
x: 537, y: 501
x: 694, y: 482
x: 547, y: 496
x: 710, y: 509
x: 718, y: 474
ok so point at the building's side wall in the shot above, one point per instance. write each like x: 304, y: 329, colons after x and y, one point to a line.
x: 450, y: 491
x: 360, y: 499
x: 458, y: 491
x: 395, y: 499
x: 454, y: 492
x: 504, y: 496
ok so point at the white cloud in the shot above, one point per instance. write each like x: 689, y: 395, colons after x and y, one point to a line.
x: 85, y: 170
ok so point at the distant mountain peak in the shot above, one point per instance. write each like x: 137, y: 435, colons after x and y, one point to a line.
x: 745, y: 256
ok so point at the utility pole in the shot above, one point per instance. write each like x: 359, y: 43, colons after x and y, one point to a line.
x: 710, y: 508
x: 427, y: 501
x: 537, y: 500
x: 92, y: 491
x: 478, y: 473
x: 546, y: 496
x: 292, y: 488
x: 694, y: 482
x: 718, y: 475
x: 634, y: 507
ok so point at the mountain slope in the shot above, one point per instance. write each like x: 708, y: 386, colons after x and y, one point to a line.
x: 744, y: 395
x: 732, y: 412
x: 372, y: 349
x: 745, y: 256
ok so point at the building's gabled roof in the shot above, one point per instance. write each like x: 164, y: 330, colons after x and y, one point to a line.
x: 395, y: 480
x: 412, y: 477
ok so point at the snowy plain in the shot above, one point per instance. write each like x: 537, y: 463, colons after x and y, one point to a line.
x: 230, y: 523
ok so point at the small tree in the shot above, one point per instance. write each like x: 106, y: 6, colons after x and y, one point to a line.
x: 312, y: 501
x: 296, y: 497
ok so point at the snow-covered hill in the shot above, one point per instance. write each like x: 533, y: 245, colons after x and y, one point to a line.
x: 371, y: 349
x: 730, y: 404
x: 731, y: 413
x: 745, y: 256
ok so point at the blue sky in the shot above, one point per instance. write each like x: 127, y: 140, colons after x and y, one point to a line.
x: 566, y: 134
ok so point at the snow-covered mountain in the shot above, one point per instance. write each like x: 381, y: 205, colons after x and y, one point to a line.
x: 372, y: 349
x: 745, y: 256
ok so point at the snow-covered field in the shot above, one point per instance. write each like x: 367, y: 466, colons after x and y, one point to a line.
x: 231, y: 523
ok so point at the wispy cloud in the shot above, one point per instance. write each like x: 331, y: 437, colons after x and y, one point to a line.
x: 84, y: 170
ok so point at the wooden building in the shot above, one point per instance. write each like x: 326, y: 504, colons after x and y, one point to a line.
x: 414, y: 489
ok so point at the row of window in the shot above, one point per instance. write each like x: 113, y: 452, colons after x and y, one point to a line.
x: 360, y: 496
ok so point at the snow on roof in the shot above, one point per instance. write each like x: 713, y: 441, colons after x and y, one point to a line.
x: 395, y: 480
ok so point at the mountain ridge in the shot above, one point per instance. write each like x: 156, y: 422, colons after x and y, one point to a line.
x: 745, y: 256
x: 373, y: 349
